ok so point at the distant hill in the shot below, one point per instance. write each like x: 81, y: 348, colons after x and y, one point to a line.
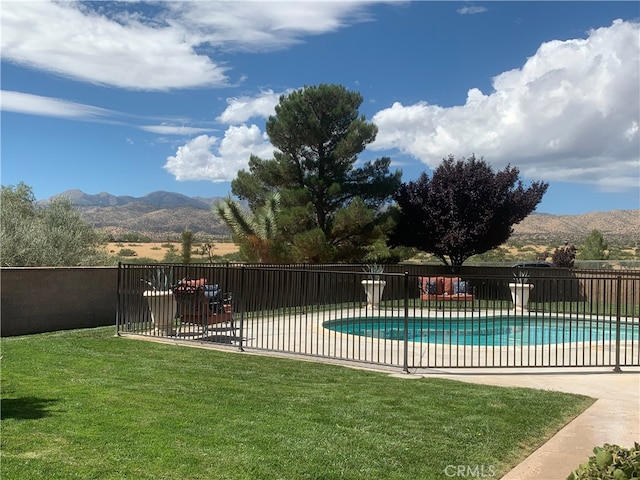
x: 158, y: 199
x: 620, y: 226
x: 161, y: 215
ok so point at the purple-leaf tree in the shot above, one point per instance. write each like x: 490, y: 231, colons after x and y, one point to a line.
x: 464, y: 209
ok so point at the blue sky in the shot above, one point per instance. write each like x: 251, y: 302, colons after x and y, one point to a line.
x: 134, y: 97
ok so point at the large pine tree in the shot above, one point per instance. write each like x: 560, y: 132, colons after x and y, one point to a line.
x: 319, y: 133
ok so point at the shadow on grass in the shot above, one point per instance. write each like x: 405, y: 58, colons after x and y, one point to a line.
x: 26, y: 408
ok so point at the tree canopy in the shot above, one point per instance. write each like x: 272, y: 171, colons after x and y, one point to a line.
x: 45, y: 235
x: 318, y: 134
x: 464, y: 209
x: 595, y: 247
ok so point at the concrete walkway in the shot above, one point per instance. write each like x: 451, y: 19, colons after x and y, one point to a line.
x: 614, y: 418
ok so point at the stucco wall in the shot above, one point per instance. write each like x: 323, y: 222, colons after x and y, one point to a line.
x: 35, y: 300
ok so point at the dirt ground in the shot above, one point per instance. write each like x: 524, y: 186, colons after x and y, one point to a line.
x: 157, y: 250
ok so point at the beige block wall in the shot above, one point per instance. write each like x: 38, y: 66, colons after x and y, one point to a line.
x: 36, y: 300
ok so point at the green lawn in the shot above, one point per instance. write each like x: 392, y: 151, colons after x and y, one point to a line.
x: 85, y: 404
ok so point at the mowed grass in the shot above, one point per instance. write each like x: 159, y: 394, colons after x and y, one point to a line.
x: 84, y: 404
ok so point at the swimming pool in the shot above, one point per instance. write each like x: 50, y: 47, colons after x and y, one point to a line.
x: 487, y: 331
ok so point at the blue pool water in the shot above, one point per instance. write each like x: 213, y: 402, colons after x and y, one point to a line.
x: 488, y: 331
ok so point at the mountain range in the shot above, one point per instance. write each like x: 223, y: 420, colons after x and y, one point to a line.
x: 158, y: 199
x: 158, y: 215
x: 163, y: 215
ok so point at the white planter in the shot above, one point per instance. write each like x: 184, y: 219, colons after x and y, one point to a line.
x: 520, y: 294
x: 373, y: 289
x: 163, y: 311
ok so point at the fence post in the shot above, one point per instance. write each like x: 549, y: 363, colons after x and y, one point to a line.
x: 405, y: 367
x: 118, y: 299
x: 242, y: 290
x: 617, y: 368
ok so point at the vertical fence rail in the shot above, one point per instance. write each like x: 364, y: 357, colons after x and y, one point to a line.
x: 571, y: 318
x: 405, y: 361
x: 618, y: 326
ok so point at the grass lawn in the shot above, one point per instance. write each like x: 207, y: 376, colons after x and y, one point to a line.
x: 84, y: 404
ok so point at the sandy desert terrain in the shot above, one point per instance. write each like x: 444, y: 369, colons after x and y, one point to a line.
x: 157, y: 250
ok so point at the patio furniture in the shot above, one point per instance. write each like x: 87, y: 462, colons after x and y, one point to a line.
x: 202, y: 305
x: 443, y: 288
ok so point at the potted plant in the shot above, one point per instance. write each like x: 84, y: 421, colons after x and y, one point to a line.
x: 159, y: 295
x: 374, y: 286
x: 520, y: 289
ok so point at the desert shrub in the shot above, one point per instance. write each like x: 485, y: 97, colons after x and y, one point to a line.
x: 134, y: 237
x: 127, y: 252
x: 542, y: 256
x: 44, y: 235
x: 610, y: 462
x: 565, y: 256
x: 172, y: 255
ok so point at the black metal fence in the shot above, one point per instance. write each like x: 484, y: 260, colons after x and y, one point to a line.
x: 477, y: 317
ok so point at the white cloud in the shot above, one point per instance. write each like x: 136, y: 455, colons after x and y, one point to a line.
x: 266, y: 25
x: 471, y: 10
x: 141, y: 52
x: 29, y: 104
x: 569, y: 114
x: 173, y: 129
x: 241, y: 109
x: 69, y: 40
x: 20, y: 102
x: 204, y: 158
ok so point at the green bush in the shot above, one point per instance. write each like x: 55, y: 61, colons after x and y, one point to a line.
x: 47, y: 234
x: 127, y: 252
x: 610, y: 462
x: 172, y: 255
